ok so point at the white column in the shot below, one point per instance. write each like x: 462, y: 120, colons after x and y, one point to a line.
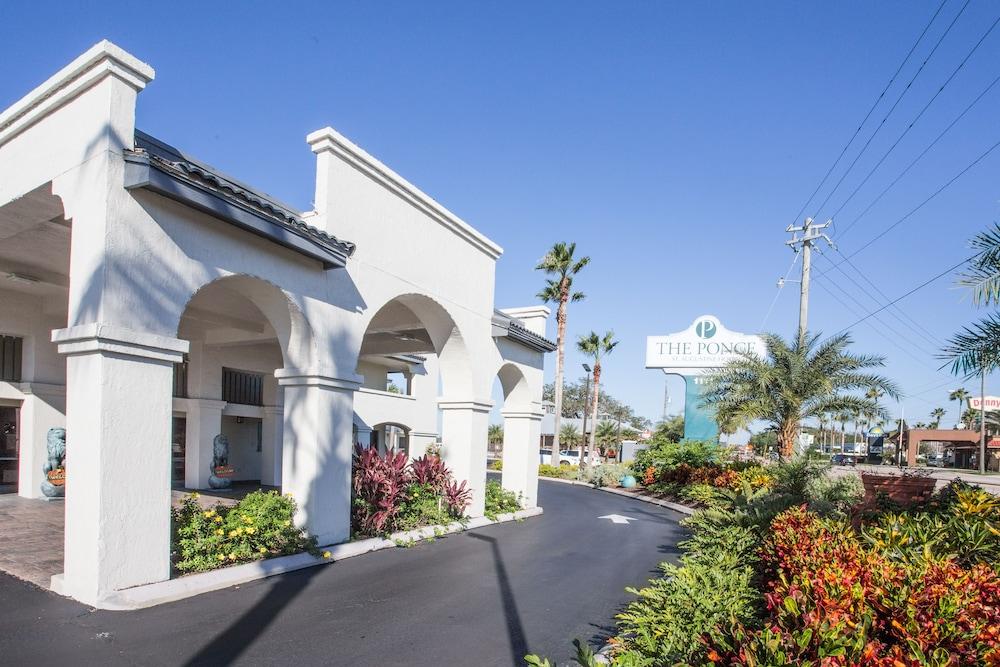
x: 272, y: 426
x: 521, y: 433
x: 317, y: 451
x: 202, y: 423
x: 464, y: 428
x: 118, y: 398
x: 43, y: 407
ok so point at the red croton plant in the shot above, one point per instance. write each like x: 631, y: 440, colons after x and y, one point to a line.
x: 832, y: 600
x: 382, y: 483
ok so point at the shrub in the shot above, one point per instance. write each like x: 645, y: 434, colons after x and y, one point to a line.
x: 606, y: 474
x: 497, y: 465
x: 392, y: 495
x: 559, y: 472
x: 261, y: 525
x: 664, y: 455
x: 834, y: 495
x: 499, y: 500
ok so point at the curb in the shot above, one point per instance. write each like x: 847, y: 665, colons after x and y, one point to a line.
x: 162, y: 592
x: 683, y: 509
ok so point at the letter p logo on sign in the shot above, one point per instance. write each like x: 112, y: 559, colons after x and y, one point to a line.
x: 705, y: 329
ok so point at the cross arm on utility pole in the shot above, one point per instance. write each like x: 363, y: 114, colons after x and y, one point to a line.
x: 811, y: 233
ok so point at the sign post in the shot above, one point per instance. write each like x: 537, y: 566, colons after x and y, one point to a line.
x: 701, y: 348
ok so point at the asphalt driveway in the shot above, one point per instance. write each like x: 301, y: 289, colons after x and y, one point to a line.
x: 485, y: 597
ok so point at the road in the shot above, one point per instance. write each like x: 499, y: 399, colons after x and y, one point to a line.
x: 484, y: 597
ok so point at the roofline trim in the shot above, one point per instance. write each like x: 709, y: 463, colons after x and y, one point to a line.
x: 329, y: 140
x: 146, y: 174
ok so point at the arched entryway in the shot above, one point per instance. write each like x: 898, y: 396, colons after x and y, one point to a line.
x: 521, y: 433
x: 241, y: 329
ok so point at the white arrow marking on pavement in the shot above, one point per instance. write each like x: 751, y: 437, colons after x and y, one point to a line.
x: 618, y: 518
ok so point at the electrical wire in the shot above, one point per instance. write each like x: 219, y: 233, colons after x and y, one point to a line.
x: 893, y: 108
x: 916, y: 118
x: 919, y: 157
x: 778, y: 292
x: 903, y: 296
x: 878, y: 99
x: 919, y: 206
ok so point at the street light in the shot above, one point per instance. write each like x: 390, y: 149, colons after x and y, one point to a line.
x: 586, y: 409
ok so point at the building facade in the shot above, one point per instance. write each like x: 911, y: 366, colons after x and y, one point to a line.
x: 149, y: 302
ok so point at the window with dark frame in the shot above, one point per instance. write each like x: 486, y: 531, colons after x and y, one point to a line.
x: 242, y: 387
x: 11, y: 349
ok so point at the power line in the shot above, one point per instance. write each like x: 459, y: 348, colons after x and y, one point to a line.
x: 874, y: 328
x: 878, y: 319
x: 920, y: 156
x: 926, y: 335
x: 893, y: 108
x: 917, y: 117
x: 919, y: 206
x: 900, y: 298
x: 878, y: 99
x: 781, y: 286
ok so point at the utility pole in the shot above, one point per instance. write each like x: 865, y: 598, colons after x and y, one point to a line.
x: 811, y: 232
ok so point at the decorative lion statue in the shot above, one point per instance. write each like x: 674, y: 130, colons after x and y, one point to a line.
x: 220, y: 459
x: 55, y: 448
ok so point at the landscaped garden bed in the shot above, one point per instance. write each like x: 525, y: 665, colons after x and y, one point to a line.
x: 786, y: 566
x: 393, y: 498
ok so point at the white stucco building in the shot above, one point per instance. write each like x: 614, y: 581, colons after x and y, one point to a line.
x: 149, y: 302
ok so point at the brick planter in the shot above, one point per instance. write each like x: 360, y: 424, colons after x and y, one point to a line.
x: 901, y: 489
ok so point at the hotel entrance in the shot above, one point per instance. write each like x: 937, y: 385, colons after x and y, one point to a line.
x: 9, y: 448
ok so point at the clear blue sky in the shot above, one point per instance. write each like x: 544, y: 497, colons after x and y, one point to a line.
x: 673, y: 142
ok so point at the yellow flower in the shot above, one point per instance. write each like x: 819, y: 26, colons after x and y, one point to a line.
x: 221, y: 557
x: 196, y: 495
x: 263, y: 550
x: 210, y: 513
x: 286, y: 523
x: 251, y: 530
x: 327, y: 554
x: 220, y: 532
x: 233, y: 533
x: 232, y: 556
x: 218, y: 519
x: 248, y: 519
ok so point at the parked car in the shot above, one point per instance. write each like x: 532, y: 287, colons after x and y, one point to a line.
x: 566, y: 458
x: 843, y: 460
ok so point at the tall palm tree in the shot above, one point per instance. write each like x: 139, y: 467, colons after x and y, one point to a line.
x: 937, y: 414
x: 596, y: 347
x: 960, y: 395
x: 560, y: 263
x: 796, y: 382
x: 606, y: 434
x: 843, y: 418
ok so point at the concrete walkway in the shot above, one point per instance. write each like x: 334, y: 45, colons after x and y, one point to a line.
x: 31, y: 531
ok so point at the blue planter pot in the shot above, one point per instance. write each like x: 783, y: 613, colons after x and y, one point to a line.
x: 627, y: 482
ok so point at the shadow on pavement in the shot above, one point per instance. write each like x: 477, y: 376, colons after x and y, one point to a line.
x: 240, y: 636
x: 515, y: 629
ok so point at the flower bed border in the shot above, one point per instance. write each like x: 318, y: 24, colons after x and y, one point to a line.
x: 150, y: 595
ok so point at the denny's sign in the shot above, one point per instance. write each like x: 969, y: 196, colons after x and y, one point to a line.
x: 992, y: 402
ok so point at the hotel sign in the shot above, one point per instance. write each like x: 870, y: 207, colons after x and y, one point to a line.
x: 706, y: 344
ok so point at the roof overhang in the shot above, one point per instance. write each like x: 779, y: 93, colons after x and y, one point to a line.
x: 194, y: 185
x: 508, y: 327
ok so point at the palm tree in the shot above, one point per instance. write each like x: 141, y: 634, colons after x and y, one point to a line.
x: 570, y: 436
x: 960, y: 395
x: 559, y: 262
x: 796, y: 382
x: 843, y: 418
x: 495, y: 434
x: 937, y: 414
x: 606, y: 434
x: 596, y: 347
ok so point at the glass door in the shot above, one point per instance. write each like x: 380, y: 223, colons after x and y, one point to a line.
x: 9, y: 418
